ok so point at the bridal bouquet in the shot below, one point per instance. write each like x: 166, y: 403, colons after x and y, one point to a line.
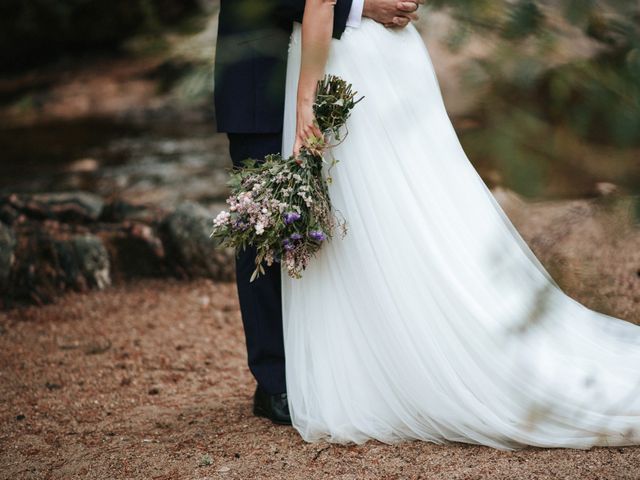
x: 281, y: 206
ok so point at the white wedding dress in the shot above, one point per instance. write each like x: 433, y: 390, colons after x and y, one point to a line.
x: 432, y: 319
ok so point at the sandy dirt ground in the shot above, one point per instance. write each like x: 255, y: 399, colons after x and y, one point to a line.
x: 147, y: 380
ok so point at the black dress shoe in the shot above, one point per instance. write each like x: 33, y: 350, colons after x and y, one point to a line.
x: 273, y: 407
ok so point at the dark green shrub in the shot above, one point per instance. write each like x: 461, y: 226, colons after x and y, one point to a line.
x: 33, y: 31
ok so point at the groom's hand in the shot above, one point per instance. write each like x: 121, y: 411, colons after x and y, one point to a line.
x: 392, y: 13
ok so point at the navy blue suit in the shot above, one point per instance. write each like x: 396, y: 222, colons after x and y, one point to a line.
x: 250, y: 70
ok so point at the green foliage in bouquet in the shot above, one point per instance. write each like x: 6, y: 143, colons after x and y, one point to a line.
x: 282, y: 206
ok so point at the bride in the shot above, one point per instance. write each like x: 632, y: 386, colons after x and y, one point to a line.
x: 432, y: 319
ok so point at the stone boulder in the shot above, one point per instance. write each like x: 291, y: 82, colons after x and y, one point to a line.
x: 49, y: 262
x: 81, y: 207
x: 135, y: 250
x: 85, y: 262
x: 7, y: 254
x: 190, y: 249
x: 120, y: 211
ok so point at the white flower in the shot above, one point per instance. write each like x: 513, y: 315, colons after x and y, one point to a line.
x: 222, y: 218
x: 259, y: 228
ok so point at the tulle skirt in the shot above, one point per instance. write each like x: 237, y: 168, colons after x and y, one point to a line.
x: 432, y: 319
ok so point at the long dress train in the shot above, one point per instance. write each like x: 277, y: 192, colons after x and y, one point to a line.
x: 432, y: 319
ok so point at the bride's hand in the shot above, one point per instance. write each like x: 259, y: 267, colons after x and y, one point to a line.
x: 306, y: 126
x: 392, y: 13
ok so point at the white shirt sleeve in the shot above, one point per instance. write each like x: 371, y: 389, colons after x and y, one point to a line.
x: 355, y: 15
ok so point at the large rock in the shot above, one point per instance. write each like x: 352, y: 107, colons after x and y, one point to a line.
x: 120, y: 211
x: 64, y: 206
x: 135, y: 250
x: 7, y: 256
x: 50, y: 262
x: 8, y: 214
x: 191, y: 251
x: 85, y: 262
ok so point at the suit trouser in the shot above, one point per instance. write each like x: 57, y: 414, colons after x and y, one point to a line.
x: 260, y: 300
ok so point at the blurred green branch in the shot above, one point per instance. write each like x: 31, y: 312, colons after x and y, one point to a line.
x: 556, y: 69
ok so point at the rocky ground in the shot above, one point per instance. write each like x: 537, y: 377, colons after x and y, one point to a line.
x: 51, y: 243
x: 147, y: 379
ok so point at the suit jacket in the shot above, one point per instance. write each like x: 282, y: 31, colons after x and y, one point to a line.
x: 251, y: 61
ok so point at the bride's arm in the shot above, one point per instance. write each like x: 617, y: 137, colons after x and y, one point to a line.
x: 317, y: 28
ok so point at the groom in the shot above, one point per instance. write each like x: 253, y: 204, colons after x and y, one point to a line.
x: 250, y: 68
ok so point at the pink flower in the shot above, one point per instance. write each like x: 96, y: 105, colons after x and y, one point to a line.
x: 222, y: 219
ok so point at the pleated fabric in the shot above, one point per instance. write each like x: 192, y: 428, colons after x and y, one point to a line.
x: 432, y: 319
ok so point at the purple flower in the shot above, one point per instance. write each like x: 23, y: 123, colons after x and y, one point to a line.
x: 290, y: 217
x: 317, y: 235
x: 295, y: 236
x: 287, y: 245
x: 239, y: 224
